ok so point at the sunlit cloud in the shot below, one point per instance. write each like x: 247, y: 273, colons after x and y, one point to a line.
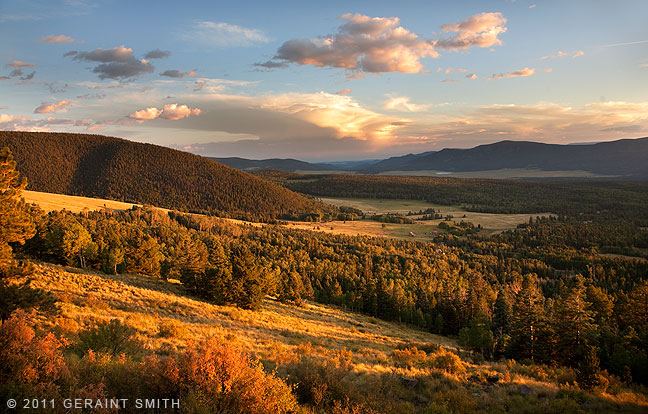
x: 480, y: 30
x: 403, y: 104
x: 452, y: 70
x: 447, y: 80
x: 170, y: 112
x: 46, y: 108
x: 515, y: 74
x: 19, y: 64
x: 221, y: 34
x: 471, y: 76
x: 57, y: 39
x: 560, y: 53
x: 380, y: 44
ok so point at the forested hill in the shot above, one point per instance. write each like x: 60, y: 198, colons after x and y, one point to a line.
x: 107, y: 167
x: 624, y: 158
x: 287, y: 164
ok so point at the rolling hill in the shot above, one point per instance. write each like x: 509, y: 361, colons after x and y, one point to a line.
x: 113, y: 168
x: 287, y: 164
x: 623, y: 158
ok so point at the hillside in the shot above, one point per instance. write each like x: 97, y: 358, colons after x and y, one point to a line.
x: 625, y: 158
x: 106, y: 167
x: 332, y: 357
x: 288, y: 164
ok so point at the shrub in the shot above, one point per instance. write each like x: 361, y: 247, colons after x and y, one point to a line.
x: 29, y: 365
x: 219, y: 378
x: 112, y: 338
x: 447, y: 361
x: 171, y: 328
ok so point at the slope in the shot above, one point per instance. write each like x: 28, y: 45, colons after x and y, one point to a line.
x: 106, y: 167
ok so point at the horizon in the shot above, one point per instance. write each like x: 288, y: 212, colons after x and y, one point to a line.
x: 327, y: 82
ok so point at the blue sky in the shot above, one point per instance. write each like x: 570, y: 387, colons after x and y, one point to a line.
x: 326, y: 80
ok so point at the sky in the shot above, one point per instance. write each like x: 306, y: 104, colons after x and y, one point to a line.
x: 325, y: 81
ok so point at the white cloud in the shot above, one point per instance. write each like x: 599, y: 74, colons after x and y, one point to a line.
x: 221, y: 34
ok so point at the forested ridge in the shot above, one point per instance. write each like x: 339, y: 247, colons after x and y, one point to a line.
x: 107, y: 167
x: 616, y: 200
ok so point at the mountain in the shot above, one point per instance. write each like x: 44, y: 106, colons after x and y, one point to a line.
x: 107, y: 167
x: 626, y: 157
x: 288, y: 164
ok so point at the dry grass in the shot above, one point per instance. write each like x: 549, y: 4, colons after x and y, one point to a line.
x: 54, y: 202
x: 151, y: 306
x: 167, y: 321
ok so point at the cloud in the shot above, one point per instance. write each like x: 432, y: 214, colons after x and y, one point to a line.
x: 451, y: 70
x: 28, y: 77
x: 517, y: 73
x: 220, y: 34
x: 532, y: 6
x: 57, y: 39
x: 446, y: 80
x: 170, y: 112
x: 115, y: 63
x: 362, y: 44
x: 271, y: 64
x: 480, y: 30
x: 548, y: 70
x: 174, y: 73
x: 19, y: 64
x: 560, y: 53
x: 19, y: 72
x: 46, y: 108
x: 380, y: 44
x: 471, y: 76
x: 521, y: 72
x: 157, y: 54
x: 403, y: 104
x: 344, y: 91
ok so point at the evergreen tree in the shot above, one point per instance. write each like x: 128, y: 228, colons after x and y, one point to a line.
x: 587, y: 374
x: 16, y: 224
x: 528, y: 315
x: 573, y: 321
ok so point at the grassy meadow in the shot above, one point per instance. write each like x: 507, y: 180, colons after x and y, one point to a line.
x: 379, y: 366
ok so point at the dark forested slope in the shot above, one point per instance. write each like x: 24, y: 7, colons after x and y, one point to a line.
x: 107, y: 167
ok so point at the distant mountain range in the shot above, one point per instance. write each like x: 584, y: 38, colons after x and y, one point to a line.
x: 626, y: 158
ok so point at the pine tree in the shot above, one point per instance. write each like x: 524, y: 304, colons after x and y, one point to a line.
x: 587, y: 374
x: 16, y: 224
x: 573, y: 321
x: 528, y: 315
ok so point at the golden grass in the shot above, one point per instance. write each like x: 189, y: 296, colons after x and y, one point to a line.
x: 167, y: 321
x: 148, y: 304
x: 54, y: 202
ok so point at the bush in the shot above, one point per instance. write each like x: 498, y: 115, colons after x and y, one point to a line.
x: 221, y: 379
x: 112, y: 338
x: 447, y: 361
x: 29, y: 365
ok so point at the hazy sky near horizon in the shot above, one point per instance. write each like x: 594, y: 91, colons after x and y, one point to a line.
x: 326, y: 80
